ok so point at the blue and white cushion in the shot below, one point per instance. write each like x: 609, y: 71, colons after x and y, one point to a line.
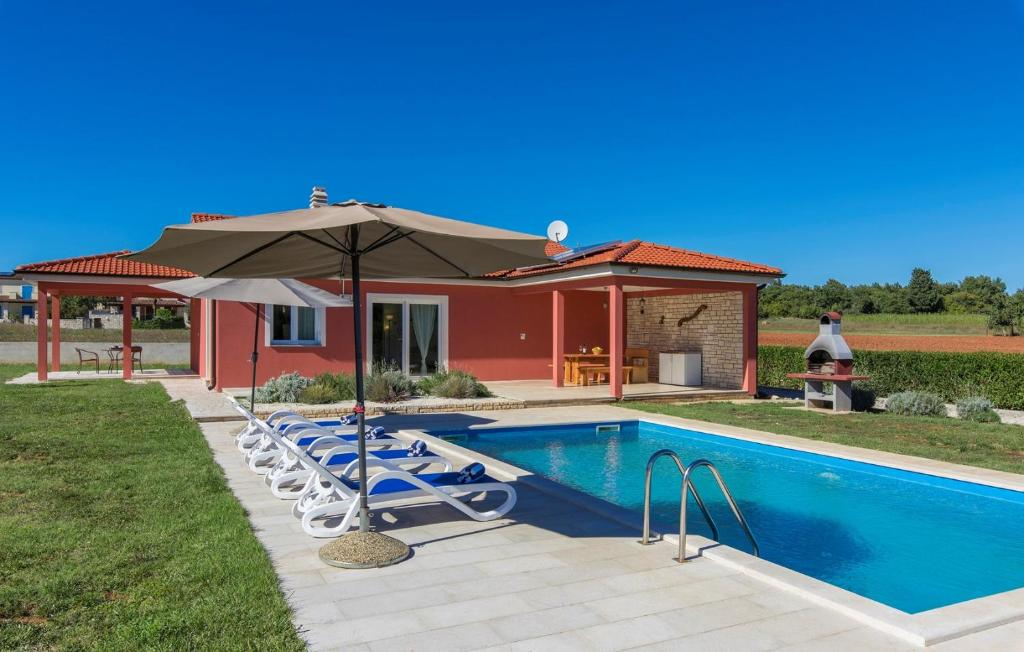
x: 375, y: 432
x: 349, y: 419
x: 417, y: 449
x: 471, y: 473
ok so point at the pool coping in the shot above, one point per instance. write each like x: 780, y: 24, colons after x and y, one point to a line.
x: 922, y: 629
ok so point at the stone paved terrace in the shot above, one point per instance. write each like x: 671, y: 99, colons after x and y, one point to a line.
x: 550, y: 576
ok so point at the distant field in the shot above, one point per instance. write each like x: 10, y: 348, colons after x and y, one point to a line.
x: 920, y: 324
x: 11, y: 332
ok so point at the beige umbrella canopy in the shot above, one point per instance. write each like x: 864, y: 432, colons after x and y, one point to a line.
x: 350, y: 240
x: 312, y: 243
x: 257, y: 291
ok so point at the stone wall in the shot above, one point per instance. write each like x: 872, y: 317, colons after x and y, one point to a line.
x: 716, y: 332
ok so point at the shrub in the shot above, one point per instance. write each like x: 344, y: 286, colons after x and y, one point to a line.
x: 283, y: 389
x: 950, y: 375
x: 344, y: 385
x: 453, y: 383
x: 918, y: 404
x: 162, y: 318
x: 318, y: 394
x: 388, y: 385
x: 863, y: 397
x: 976, y: 408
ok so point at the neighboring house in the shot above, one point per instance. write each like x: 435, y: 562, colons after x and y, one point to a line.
x: 504, y: 326
x: 17, y: 299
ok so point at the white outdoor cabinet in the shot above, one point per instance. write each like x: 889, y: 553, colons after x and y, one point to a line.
x: 679, y: 368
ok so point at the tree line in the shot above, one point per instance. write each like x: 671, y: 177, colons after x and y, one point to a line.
x: 982, y: 295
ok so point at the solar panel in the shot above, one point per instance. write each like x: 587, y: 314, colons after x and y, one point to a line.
x: 589, y: 250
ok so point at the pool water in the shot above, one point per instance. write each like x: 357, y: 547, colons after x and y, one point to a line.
x: 909, y: 540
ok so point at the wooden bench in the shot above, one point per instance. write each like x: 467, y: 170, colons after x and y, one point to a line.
x: 596, y: 374
x: 634, y: 368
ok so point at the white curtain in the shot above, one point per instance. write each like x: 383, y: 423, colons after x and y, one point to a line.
x: 424, y: 319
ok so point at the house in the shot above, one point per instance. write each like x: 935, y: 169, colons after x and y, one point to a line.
x: 510, y: 325
x: 17, y: 299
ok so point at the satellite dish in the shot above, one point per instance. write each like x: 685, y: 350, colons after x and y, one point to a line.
x: 558, y: 231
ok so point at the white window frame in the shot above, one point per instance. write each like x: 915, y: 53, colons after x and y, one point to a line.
x: 319, y: 326
x: 439, y: 300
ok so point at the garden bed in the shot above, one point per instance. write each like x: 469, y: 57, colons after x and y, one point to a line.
x: 417, y: 405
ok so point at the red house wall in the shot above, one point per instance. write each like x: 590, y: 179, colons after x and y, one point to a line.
x: 485, y: 328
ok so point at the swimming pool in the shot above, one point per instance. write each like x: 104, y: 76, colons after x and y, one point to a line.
x: 908, y: 540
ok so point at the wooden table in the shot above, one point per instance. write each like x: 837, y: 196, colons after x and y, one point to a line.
x: 573, y: 362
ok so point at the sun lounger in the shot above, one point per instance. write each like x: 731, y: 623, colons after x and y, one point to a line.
x: 253, y: 433
x: 262, y: 453
x: 396, y: 486
x: 341, y: 499
x: 343, y: 460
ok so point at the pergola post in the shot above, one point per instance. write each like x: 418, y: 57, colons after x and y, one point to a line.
x: 126, y: 337
x: 55, y: 331
x: 750, y: 340
x: 615, y: 352
x: 41, y: 314
x: 557, y: 338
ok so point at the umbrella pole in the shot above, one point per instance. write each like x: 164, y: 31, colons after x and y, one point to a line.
x: 362, y: 549
x: 255, y: 356
x: 357, y: 330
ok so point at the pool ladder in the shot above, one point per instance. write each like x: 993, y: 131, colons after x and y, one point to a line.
x: 687, y: 472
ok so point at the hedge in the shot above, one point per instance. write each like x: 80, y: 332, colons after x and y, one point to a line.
x: 996, y: 376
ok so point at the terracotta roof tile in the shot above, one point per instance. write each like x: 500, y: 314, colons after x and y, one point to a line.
x: 649, y: 253
x: 104, y: 265
x: 552, y: 248
x: 638, y: 252
x: 209, y: 217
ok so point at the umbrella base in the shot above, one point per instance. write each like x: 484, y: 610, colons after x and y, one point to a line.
x: 364, y: 550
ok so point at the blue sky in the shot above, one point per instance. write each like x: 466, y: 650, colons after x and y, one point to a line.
x: 890, y: 132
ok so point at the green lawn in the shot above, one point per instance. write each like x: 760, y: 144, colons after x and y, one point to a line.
x: 118, y: 531
x: 916, y: 324
x: 13, y: 332
x: 989, y: 445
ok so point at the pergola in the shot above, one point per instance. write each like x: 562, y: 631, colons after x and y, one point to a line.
x: 620, y: 285
x: 102, y: 275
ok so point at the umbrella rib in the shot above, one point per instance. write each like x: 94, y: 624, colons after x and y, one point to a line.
x: 341, y: 249
x: 373, y: 245
x: 382, y: 242
x: 271, y: 244
x: 345, y: 250
x: 434, y: 253
x: 251, y: 253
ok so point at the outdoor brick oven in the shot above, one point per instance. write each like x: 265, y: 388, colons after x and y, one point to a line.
x: 829, y: 360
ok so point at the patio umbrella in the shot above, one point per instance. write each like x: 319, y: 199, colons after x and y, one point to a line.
x: 348, y: 240
x: 257, y: 291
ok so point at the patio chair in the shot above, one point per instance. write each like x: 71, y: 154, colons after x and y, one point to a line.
x: 87, y: 356
x: 137, y: 357
x: 115, y: 357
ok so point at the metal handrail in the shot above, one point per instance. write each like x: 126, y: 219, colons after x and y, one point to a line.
x: 687, y: 485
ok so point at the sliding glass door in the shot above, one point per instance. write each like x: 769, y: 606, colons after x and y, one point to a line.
x: 408, y: 332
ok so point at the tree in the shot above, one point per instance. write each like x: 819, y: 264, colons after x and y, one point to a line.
x: 72, y: 307
x: 923, y: 292
x: 964, y: 303
x: 1003, y: 318
x: 989, y: 291
x: 833, y: 295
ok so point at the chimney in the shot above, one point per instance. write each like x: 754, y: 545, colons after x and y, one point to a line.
x: 318, y: 197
